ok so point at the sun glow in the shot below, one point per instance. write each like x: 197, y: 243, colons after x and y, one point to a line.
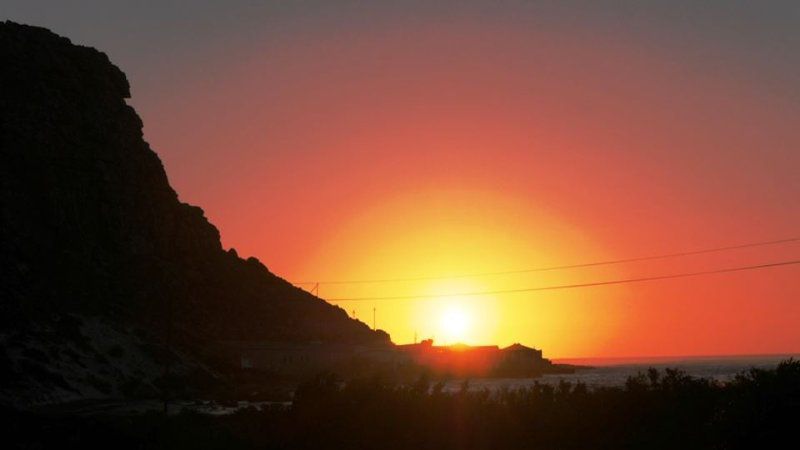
x: 454, y: 233
x: 455, y: 324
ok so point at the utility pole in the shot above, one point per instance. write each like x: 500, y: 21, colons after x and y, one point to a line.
x: 374, y: 326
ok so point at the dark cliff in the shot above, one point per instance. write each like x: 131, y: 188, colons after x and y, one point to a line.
x: 89, y: 224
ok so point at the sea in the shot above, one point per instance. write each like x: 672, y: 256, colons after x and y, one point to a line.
x: 615, y: 372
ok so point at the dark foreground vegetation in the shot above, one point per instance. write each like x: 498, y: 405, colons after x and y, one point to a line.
x: 759, y: 409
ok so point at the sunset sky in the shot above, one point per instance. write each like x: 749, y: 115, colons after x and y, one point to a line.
x: 363, y: 140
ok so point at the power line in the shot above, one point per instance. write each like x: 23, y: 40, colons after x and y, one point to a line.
x: 563, y: 267
x: 571, y: 286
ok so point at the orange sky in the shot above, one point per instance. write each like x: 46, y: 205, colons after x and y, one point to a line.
x: 352, y: 144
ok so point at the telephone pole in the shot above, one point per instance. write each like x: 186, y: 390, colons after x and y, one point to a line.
x: 374, y: 326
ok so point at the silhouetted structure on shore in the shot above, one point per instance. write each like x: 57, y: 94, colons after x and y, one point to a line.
x: 462, y: 360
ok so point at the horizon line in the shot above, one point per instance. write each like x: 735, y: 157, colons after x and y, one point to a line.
x: 789, y: 354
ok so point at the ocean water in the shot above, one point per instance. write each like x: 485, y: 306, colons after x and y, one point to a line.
x: 615, y: 373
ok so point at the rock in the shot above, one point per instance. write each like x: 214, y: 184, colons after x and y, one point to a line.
x: 91, y: 226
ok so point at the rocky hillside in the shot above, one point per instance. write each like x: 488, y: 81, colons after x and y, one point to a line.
x: 90, y: 227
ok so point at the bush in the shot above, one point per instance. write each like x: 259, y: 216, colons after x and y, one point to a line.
x: 656, y: 410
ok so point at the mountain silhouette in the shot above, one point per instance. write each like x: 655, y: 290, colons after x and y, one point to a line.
x: 92, y: 236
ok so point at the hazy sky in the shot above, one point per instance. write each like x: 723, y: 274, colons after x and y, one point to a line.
x: 353, y: 140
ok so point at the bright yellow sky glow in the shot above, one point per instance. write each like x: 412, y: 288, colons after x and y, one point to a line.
x: 445, y: 232
x: 455, y: 323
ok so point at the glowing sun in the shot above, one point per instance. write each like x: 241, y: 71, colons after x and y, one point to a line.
x: 455, y: 324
